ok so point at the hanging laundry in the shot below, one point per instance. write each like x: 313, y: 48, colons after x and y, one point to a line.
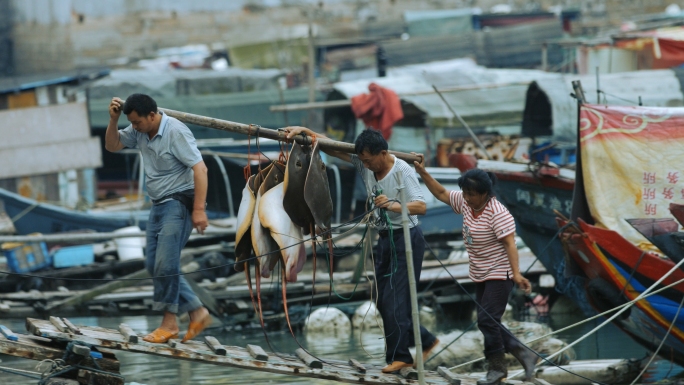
x: 380, y: 109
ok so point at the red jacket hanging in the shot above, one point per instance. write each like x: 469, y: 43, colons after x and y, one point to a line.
x: 380, y: 109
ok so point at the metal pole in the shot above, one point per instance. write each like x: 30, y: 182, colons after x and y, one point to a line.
x: 579, y: 92
x: 415, y: 316
x: 598, y: 87
x: 460, y: 119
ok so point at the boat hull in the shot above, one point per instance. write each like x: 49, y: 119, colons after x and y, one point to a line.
x: 610, y: 285
x: 32, y: 216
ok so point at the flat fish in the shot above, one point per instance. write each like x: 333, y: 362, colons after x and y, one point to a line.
x: 317, y: 190
x: 243, y: 238
x: 263, y: 243
x: 295, y: 179
x: 287, y: 234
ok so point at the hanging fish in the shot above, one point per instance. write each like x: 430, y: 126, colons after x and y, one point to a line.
x: 317, y: 190
x: 243, y: 239
x: 262, y: 241
x: 286, y: 233
x: 295, y: 179
x: 317, y: 198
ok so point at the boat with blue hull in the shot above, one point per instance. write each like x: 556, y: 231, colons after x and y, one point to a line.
x: 613, y: 280
x: 31, y: 216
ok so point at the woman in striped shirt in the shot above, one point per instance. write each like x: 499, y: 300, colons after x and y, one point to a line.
x: 489, y: 237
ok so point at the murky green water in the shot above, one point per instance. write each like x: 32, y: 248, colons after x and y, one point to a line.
x: 368, y: 346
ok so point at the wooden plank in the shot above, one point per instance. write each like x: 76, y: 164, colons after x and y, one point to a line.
x: 128, y: 334
x: 257, y: 352
x: 71, y: 326
x: 215, y: 345
x: 81, y: 350
x: 91, y: 377
x: 448, y: 375
x: 357, y: 365
x: 109, y: 287
x: 308, y: 359
x: 61, y: 381
x: 8, y: 333
x: 237, y: 357
x: 59, y: 324
x: 40, y: 349
x: 409, y: 373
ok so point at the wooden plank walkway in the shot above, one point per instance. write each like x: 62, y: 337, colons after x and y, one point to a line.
x: 210, y: 351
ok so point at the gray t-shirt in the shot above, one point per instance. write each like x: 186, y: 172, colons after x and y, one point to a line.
x: 389, y: 185
x: 168, y: 157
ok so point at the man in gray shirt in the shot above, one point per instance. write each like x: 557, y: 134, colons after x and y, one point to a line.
x: 378, y: 168
x: 176, y: 179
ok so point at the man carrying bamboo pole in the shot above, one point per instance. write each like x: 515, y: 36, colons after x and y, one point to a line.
x: 176, y: 179
x: 377, y: 168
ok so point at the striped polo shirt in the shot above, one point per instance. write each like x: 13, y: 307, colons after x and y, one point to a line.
x: 482, y: 235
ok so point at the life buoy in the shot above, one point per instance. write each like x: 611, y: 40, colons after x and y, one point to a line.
x: 605, y: 296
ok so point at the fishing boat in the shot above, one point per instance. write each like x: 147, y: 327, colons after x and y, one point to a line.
x: 622, y: 235
x: 31, y: 216
x: 614, y: 277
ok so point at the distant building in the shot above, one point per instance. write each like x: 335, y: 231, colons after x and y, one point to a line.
x: 47, y: 152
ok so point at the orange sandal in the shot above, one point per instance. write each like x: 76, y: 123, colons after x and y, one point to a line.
x: 160, y: 336
x: 196, y: 327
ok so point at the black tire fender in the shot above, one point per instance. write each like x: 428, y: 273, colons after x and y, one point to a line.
x: 605, y: 296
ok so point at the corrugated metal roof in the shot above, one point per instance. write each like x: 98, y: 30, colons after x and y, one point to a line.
x: 182, y: 82
x: 657, y: 88
x: 439, y: 22
x: 244, y: 107
x: 506, y: 47
x: 28, y: 82
x: 501, y: 105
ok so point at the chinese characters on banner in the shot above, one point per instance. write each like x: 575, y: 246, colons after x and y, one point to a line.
x: 655, y: 191
x: 632, y: 164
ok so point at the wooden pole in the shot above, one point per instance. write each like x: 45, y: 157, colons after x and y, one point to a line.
x: 460, y: 119
x: 254, y: 130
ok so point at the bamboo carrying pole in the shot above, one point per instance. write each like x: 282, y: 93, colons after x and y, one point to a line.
x: 254, y: 130
x: 415, y: 316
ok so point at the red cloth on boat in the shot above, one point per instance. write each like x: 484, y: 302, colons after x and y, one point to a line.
x: 380, y: 109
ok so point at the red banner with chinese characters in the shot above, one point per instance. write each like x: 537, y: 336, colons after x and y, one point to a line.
x: 633, y: 163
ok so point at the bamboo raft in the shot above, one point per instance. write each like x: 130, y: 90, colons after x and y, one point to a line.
x: 95, y: 345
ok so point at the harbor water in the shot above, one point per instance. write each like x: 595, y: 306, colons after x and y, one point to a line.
x: 366, y: 346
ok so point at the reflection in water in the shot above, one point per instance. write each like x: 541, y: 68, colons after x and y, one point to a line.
x: 364, y: 345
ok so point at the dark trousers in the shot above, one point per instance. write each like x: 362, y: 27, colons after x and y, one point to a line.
x: 492, y: 296
x: 394, y: 298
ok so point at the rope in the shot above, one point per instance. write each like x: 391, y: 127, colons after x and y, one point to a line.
x: 661, y: 342
x: 547, y: 359
x: 183, y: 274
x: 247, y: 170
x: 631, y: 275
x: 641, y: 296
x: 20, y: 372
x: 25, y: 211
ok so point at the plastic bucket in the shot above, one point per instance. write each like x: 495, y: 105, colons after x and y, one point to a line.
x: 129, y: 247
